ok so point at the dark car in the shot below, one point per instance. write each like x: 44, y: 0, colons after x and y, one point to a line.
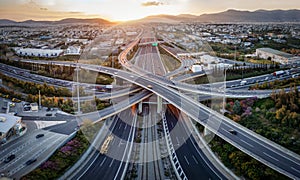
x: 9, y: 158
x: 27, y: 108
x: 232, y: 131
x: 39, y: 135
x: 30, y: 161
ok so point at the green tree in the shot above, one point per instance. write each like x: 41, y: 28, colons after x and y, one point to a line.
x: 237, y: 109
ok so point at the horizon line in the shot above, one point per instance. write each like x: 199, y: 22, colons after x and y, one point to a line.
x: 122, y: 21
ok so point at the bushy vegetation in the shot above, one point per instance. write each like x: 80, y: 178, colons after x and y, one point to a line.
x: 61, y: 160
x: 237, y: 72
x: 33, y: 88
x: 277, y: 118
x: 241, y: 163
x: 5, y: 93
x: 65, y: 72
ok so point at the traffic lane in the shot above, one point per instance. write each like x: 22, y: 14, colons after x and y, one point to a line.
x: 107, y: 165
x: 186, y: 110
x: 199, y: 156
x: 104, y: 167
x: 206, y: 114
x: 32, y: 148
x: 193, y: 166
x: 96, y: 154
x: 114, y: 109
x: 65, y: 128
x: 268, y: 153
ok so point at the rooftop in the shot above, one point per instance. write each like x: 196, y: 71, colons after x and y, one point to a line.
x: 7, y: 122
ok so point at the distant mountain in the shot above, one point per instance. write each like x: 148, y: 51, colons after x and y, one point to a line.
x: 255, y: 16
x: 74, y: 20
x: 163, y: 18
x: 63, y: 21
x: 230, y: 16
x: 6, y: 21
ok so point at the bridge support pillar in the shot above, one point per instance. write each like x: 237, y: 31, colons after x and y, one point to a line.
x: 159, y: 104
x: 140, y: 107
x: 207, y: 131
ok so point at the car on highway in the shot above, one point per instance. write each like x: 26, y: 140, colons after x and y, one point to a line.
x: 9, y: 158
x: 39, y: 136
x: 16, y: 100
x: 232, y: 131
x: 27, y: 109
x: 30, y: 161
x: 149, y: 86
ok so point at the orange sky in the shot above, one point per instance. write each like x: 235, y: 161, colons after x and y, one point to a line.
x: 122, y: 10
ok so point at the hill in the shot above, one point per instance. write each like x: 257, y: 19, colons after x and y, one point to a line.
x: 63, y: 21
x: 231, y: 15
x: 255, y: 16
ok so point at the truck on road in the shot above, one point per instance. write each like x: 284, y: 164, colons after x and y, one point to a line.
x: 278, y: 73
x: 244, y: 82
x: 105, y: 145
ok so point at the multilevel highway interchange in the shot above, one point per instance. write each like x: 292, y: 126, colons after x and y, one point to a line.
x: 164, y: 110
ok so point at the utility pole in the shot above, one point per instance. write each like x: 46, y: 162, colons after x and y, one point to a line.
x: 40, y: 106
x: 77, y: 69
x: 224, y: 99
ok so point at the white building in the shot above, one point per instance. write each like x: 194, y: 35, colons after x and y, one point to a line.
x: 277, y: 56
x: 9, y: 125
x: 73, y: 50
x: 196, y: 68
x: 38, y: 52
x: 207, y: 59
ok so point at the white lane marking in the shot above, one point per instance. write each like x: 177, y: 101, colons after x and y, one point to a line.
x: 263, y: 145
x: 111, y: 162
x: 247, y: 143
x: 172, y: 124
x: 112, y: 142
x: 186, y: 160
x: 295, y: 169
x: 195, y: 159
x: 226, y: 131
x: 184, y: 140
x: 177, y: 140
x: 103, y: 161
x: 270, y: 156
x: 120, y: 143
x: 125, y: 126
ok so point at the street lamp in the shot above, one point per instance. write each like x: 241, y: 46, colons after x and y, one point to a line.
x: 225, y: 69
x: 77, y: 69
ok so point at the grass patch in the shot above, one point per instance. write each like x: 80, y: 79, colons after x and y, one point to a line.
x: 170, y: 63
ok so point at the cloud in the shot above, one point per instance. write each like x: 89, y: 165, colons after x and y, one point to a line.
x: 44, y: 9
x: 152, y: 3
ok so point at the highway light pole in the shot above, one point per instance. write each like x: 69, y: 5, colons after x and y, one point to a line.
x: 225, y: 69
x: 77, y: 69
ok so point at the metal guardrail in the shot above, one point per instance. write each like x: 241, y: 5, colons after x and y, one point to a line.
x: 173, y: 157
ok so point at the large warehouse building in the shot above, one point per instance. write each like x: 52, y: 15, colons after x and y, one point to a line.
x: 277, y: 56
